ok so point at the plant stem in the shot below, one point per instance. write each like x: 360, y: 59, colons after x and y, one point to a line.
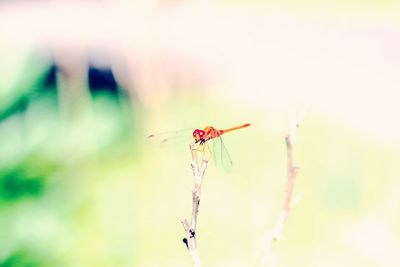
x: 190, y: 229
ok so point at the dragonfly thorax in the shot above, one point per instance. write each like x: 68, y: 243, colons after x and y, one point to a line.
x: 210, y: 133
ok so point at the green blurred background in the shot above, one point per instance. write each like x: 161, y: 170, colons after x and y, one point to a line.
x: 81, y: 186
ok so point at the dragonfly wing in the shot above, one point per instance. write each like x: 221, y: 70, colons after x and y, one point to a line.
x: 221, y: 154
x: 216, y: 151
x: 170, y: 137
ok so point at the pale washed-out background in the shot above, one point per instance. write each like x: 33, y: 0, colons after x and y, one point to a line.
x: 83, y: 83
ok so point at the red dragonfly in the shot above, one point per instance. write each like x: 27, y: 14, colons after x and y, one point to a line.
x: 203, y: 136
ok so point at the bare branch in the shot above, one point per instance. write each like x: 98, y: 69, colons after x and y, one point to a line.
x: 291, y: 173
x: 292, y: 170
x: 198, y: 173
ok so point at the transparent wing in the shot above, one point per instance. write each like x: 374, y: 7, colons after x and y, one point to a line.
x: 221, y: 154
x: 170, y: 137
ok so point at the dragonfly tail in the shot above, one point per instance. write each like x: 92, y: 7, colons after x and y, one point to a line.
x: 234, y: 128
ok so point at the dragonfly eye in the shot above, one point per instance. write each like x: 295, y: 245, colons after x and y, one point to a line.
x: 196, y: 132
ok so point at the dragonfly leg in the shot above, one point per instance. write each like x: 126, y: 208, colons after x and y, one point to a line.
x: 198, y: 146
x: 206, y: 153
x: 203, y: 149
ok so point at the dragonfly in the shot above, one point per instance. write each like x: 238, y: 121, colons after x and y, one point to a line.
x: 202, y: 138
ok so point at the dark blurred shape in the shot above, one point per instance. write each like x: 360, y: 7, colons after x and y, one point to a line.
x: 50, y: 80
x: 17, y: 107
x: 45, y: 84
x: 17, y: 183
x: 22, y: 258
x: 26, y: 179
x: 102, y: 80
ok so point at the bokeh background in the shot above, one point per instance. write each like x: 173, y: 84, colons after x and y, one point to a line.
x: 82, y: 83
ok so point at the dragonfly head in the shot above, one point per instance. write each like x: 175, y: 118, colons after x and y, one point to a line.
x: 198, y: 135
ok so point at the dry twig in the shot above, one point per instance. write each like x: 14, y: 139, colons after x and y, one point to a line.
x: 292, y: 170
x: 198, y: 173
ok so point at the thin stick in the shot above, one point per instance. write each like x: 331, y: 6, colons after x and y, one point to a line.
x: 292, y: 170
x: 190, y: 229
